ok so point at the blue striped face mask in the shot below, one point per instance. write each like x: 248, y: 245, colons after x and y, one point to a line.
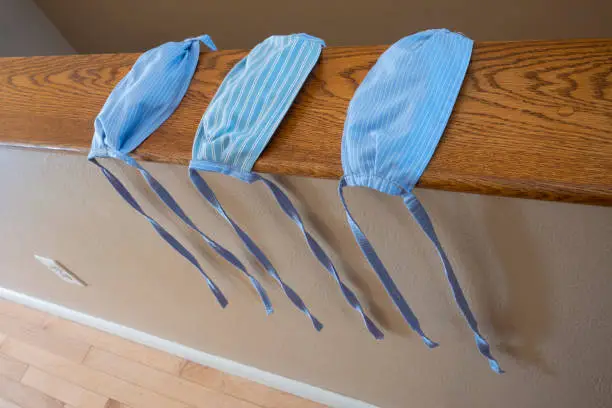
x: 138, y: 105
x: 393, y: 125
x: 239, y: 123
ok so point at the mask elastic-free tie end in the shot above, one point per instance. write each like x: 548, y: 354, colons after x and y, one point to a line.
x: 169, y: 238
x: 382, y: 273
x: 422, y: 218
x: 173, y: 205
x: 208, y: 194
x: 206, y: 40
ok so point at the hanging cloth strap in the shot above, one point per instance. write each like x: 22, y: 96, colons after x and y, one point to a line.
x: 420, y: 215
x: 206, y: 192
x: 171, y: 203
x: 173, y: 242
x: 291, y: 212
x: 383, y: 275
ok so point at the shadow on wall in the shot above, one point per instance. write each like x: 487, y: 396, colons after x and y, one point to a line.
x: 517, y: 318
x: 523, y: 322
x: 520, y: 318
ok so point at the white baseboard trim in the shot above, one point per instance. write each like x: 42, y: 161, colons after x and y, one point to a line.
x: 278, y: 382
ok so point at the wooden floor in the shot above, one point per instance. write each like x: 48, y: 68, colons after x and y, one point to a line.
x: 48, y: 362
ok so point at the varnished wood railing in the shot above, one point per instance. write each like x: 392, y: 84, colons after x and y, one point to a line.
x: 534, y: 119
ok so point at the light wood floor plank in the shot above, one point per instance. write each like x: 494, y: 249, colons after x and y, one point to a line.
x: 66, y: 347
x: 26, y: 397
x: 88, y: 378
x: 239, y: 387
x: 23, y: 313
x: 12, y: 368
x: 110, y: 404
x: 115, y: 404
x: 62, y: 390
x: 46, y: 361
x: 116, y: 345
x: 7, y: 404
x: 171, y: 386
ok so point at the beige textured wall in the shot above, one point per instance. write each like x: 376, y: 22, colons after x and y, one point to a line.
x: 118, y: 25
x: 26, y: 31
x: 537, y: 273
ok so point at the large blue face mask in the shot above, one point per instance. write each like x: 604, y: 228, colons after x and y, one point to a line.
x: 146, y: 97
x: 238, y: 124
x: 138, y: 105
x: 393, y: 125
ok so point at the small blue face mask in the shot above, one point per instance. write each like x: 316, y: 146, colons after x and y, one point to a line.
x: 393, y: 125
x: 138, y: 105
x: 239, y: 123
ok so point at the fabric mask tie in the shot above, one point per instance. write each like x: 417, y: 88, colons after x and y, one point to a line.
x: 207, y: 193
x: 125, y: 194
x: 237, y: 126
x: 394, y: 123
x: 319, y: 253
x: 277, y: 68
x: 388, y: 283
x: 420, y: 216
x: 171, y: 203
x: 138, y: 105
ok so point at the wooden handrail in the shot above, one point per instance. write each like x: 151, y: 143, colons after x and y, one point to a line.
x: 533, y: 119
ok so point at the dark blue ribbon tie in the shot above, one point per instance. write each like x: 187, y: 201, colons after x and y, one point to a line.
x: 206, y: 192
x: 173, y: 242
x: 171, y: 203
x: 420, y: 215
x: 319, y: 253
x: 383, y: 274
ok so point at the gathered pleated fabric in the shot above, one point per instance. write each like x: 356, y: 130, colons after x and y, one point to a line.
x: 238, y: 124
x: 144, y: 99
x: 393, y: 125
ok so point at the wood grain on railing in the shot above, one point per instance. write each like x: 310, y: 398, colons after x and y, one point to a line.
x: 533, y: 119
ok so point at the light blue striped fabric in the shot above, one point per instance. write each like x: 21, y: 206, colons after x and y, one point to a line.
x: 147, y: 96
x: 238, y: 124
x: 393, y: 125
x: 251, y: 102
x: 137, y: 106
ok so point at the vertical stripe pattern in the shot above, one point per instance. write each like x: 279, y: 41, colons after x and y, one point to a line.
x: 241, y: 119
x: 146, y: 97
x: 253, y: 99
x: 393, y: 125
x: 400, y: 110
x: 238, y: 124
